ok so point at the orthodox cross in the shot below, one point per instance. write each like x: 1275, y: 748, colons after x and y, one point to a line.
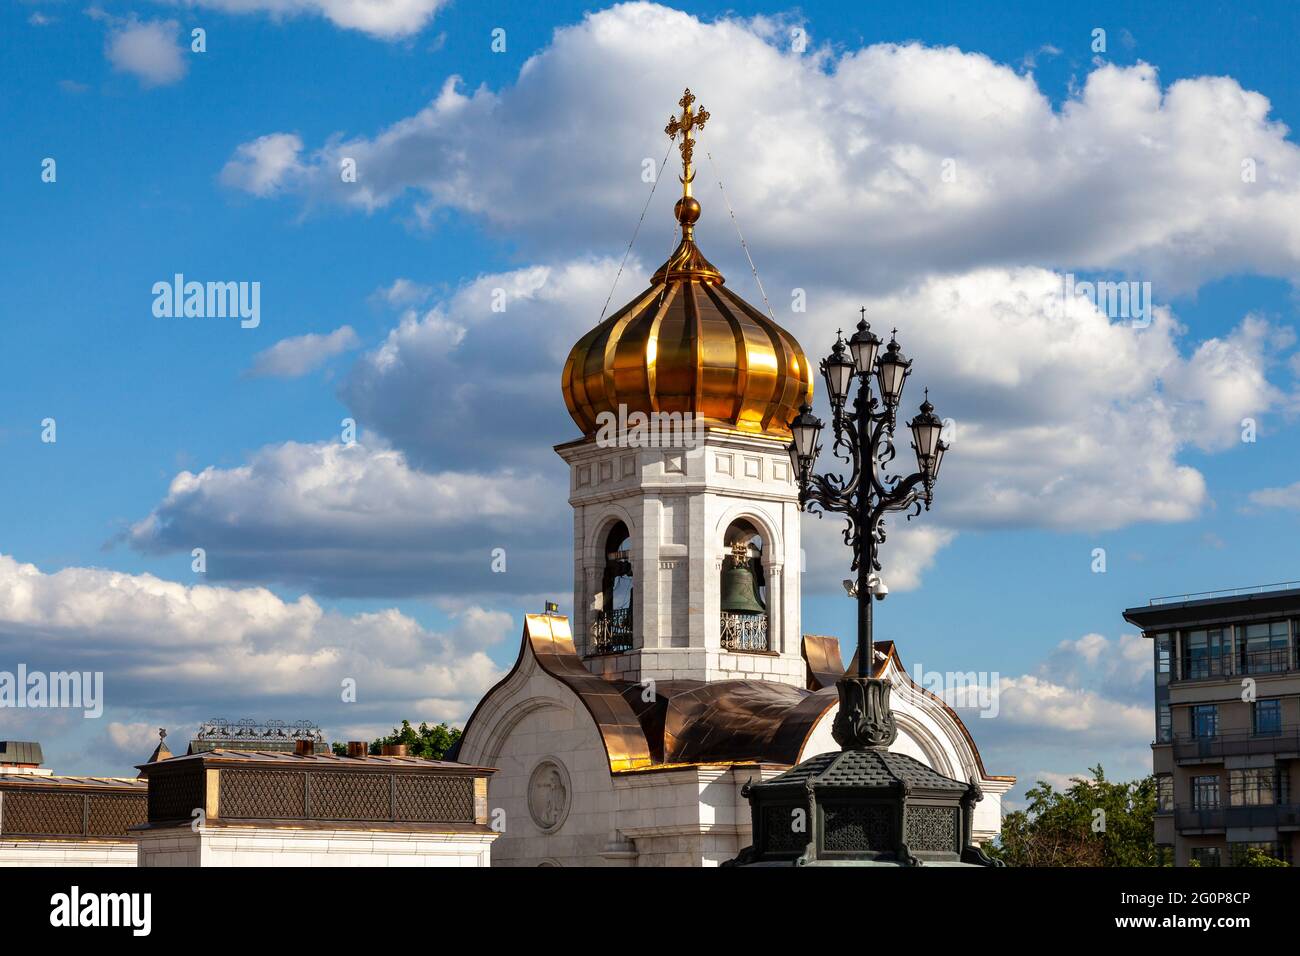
x: 687, y: 124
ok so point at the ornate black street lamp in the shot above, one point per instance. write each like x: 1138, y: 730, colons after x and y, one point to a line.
x: 864, y: 805
x: 864, y: 440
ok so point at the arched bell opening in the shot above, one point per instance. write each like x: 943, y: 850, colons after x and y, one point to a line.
x: 744, y: 622
x: 611, y: 630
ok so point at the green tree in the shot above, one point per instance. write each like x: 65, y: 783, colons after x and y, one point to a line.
x: 1096, y: 822
x: 1257, y: 857
x: 429, y: 742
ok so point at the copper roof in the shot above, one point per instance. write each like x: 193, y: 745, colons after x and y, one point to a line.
x: 551, y: 642
x: 686, y: 721
x: 822, y: 656
x: 691, y: 722
x: 50, y: 780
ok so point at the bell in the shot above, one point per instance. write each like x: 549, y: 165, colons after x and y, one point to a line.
x: 740, y: 588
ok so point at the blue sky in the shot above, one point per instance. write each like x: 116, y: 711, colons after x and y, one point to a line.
x: 527, y: 176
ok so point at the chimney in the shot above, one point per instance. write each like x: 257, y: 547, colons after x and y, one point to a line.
x: 304, y: 748
x: 394, y: 750
x: 358, y: 748
x: 22, y: 756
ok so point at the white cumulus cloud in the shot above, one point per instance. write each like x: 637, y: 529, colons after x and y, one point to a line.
x: 192, y: 651
x: 261, y: 166
x: 147, y: 49
x: 870, y: 164
x: 358, y: 520
x: 382, y: 19
x: 296, y: 356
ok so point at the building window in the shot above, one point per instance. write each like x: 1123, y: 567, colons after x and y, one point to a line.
x: 1252, y: 786
x: 1165, y: 793
x: 1207, y: 654
x: 1205, y: 720
x: 1164, y: 724
x: 1263, y: 648
x: 611, y: 631
x: 1164, y: 656
x: 1266, y: 717
x: 1205, y: 855
x: 1205, y: 792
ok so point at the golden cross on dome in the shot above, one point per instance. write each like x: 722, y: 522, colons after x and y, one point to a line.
x: 686, y: 125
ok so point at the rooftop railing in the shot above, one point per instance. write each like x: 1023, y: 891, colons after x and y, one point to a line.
x: 1223, y: 592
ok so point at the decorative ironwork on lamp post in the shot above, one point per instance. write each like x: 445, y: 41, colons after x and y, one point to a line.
x: 864, y: 441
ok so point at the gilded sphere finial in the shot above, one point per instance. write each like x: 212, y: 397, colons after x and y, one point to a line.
x: 687, y: 210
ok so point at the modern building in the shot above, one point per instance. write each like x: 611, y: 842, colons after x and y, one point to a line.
x: 1226, y: 753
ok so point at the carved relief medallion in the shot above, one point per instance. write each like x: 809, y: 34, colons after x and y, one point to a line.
x: 549, y: 795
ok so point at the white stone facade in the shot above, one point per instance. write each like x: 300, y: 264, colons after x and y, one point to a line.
x: 687, y: 816
x: 37, y: 852
x: 230, y: 845
x: 535, y: 718
x: 611, y: 813
x: 677, y: 504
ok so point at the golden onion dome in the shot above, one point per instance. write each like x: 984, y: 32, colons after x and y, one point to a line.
x: 688, y: 344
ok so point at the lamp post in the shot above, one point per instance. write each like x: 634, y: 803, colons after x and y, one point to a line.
x: 864, y: 440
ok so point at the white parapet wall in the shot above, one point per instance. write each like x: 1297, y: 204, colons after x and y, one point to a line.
x: 239, y: 845
x: 38, y: 852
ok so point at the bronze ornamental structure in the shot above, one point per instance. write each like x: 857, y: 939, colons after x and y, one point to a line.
x: 82, y: 809
x: 316, y: 789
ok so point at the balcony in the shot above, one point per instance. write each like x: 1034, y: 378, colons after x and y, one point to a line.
x: 1283, y: 815
x: 744, y: 632
x: 1277, y: 660
x: 1193, y: 749
x: 611, y: 632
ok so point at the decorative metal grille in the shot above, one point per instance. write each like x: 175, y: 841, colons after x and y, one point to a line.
x: 351, y: 796
x: 248, y: 731
x: 611, y: 632
x: 859, y: 827
x: 430, y: 799
x: 263, y: 794
x: 744, y: 632
x: 175, y: 796
x: 931, y: 829
x: 43, y: 813
x: 779, y: 829
x: 113, y: 814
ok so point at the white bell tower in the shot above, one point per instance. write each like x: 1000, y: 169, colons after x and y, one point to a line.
x: 685, y: 396
x: 682, y: 510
